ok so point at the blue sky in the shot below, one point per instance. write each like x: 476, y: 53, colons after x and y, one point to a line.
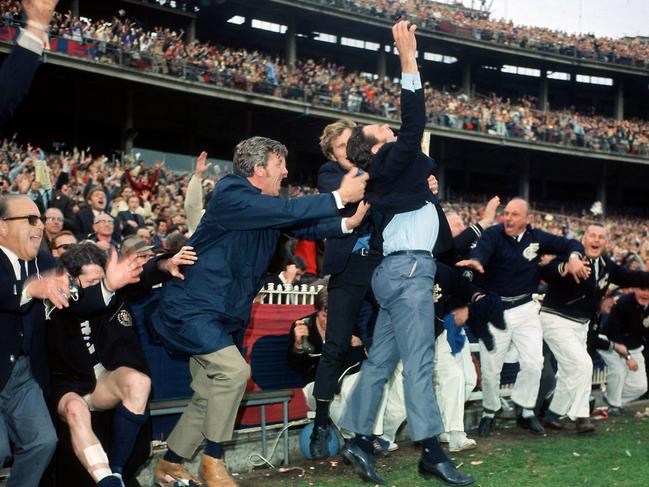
x: 613, y: 18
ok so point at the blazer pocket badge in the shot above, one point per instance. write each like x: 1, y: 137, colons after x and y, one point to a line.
x: 531, y: 251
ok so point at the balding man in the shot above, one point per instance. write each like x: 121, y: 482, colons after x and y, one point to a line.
x: 103, y: 227
x: 568, y: 309
x: 508, y: 254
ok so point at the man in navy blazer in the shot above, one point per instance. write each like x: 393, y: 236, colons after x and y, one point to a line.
x: 199, y: 316
x: 408, y: 229
x: 19, y: 68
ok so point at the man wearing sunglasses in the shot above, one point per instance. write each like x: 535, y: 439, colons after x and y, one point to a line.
x: 62, y: 242
x: 27, y: 279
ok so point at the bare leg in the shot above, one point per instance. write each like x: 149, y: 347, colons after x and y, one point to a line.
x: 74, y: 411
x: 124, y: 385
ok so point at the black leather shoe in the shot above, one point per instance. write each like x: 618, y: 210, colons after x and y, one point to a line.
x: 485, y: 427
x: 319, y: 444
x: 362, y: 461
x: 531, y: 424
x: 444, y: 471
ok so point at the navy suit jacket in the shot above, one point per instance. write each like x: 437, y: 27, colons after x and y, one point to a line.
x: 337, y: 249
x: 235, y: 241
x: 399, y: 175
x: 16, y: 76
x: 124, y: 216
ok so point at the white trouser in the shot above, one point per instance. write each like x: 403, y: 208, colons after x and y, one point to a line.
x: 391, y: 413
x: 450, y: 382
x: 524, y: 331
x: 567, y: 340
x: 624, y: 385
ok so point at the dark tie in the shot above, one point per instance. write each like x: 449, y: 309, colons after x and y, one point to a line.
x: 594, y: 265
x: 23, y: 270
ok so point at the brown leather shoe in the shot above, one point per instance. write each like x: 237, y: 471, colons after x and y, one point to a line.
x: 215, y: 473
x: 168, y: 474
x: 553, y: 425
x: 584, y: 425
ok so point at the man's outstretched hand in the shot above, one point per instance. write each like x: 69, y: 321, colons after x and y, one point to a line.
x: 406, y: 43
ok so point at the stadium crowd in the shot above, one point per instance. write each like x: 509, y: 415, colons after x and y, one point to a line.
x: 456, y: 19
x: 162, y: 50
x: 162, y: 195
x: 69, y: 335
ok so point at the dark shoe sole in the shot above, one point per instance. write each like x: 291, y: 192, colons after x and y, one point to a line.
x: 427, y: 475
x: 349, y: 459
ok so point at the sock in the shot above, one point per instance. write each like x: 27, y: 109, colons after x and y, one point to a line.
x: 488, y: 413
x: 321, y: 413
x: 126, y: 426
x: 431, y: 451
x: 365, y: 443
x: 456, y: 438
x: 173, y: 457
x: 527, y: 413
x: 213, y: 449
x: 550, y: 416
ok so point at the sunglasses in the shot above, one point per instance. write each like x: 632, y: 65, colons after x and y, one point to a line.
x: 31, y: 219
x: 63, y: 246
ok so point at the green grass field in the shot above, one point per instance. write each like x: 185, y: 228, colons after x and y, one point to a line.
x: 617, y: 454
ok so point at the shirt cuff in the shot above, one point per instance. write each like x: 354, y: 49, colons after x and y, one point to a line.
x: 24, y: 299
x: 339, y: 200
x: 578, y: 254
x: 410, y: 81
x: 30, y: 41
x: 108, y: 295
x: 343, y: 226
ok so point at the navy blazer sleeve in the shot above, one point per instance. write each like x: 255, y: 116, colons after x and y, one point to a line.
x: 16, y: 76
x: 553, y: 244
x: 250, y: 210
x: 408, y: 143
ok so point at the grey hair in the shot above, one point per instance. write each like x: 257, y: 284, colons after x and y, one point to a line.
x: 254, y: 152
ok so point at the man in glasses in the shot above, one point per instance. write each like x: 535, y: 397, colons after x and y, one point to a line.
x: 62, y: 242
x: 103, y: 232
x: 53, y: 222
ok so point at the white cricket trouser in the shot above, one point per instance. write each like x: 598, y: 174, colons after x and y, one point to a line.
x: 524, y: 331
x: 391, y: 413
x: 451, y: 384
x: 624, y: 385
x: 567, y: 340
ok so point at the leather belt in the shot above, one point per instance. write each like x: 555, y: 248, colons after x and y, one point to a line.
x: 411, y: 252
x: 366, y: 252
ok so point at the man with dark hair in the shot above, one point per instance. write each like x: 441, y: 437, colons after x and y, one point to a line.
x: 509, y: 254
x: 235, y: 240
x: 97, y: 361
x: 408, y: 229
x: 568, y: 310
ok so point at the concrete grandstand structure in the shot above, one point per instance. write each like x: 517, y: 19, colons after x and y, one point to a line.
x: 117, y: 105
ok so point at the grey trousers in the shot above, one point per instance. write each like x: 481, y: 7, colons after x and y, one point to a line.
x: 26, y: 423
x: 218, y: 381
x: 404, y: 330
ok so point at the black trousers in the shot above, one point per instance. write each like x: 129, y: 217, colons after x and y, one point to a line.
x: 347, y: 291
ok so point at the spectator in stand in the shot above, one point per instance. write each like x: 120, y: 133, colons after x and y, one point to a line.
x: 131, y: 219
x: 142, y: 182
x: 53, y: 221
x: 103, y: 233
x: 62, y: 242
